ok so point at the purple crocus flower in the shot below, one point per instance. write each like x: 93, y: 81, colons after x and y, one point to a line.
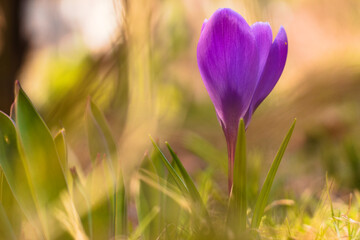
x: 240, y: 65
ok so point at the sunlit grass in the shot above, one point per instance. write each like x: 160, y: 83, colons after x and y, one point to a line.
x: 168, y: 205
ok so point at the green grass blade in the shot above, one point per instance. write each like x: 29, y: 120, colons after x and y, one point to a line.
x: 146, y: 199
x: 6, y: 230
x: 101, y: 142
x: 145, y: 223
x: 265, y: 191
x: 13, y: 168
x: 171, y: 210
x: 194, y: 193
x: 39, y: 150
x: 11, y: 207
x: 197, y: 205
x: 157, y: 161
x: 86, y: 219
x: 238, y: 206
x: 335, y: 221
x: 121, y: 210
x: 179, y: 182
x: 100, y: 139
x: 60, y: 144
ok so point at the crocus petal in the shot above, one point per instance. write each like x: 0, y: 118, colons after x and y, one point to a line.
x: 263, y: 36
x: 228, y: 61
x: 273, y: 69
x: 204, y: 24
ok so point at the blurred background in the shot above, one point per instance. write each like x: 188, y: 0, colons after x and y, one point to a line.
x: 137, y: 60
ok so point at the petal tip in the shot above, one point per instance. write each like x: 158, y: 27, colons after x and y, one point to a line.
x: 282, y: 34
x: 262, y: 29
x: 267, y: 24
x: 230, y: 15
x: 204, y: 24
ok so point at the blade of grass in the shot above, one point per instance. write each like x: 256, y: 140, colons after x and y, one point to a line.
x: 194, y: 193
x: 16, y: 172
x: 11, y: 207
x: 237, y: 208
x: 102, y: 142
x: 157, y: 161
x: 70, y: 219
x: 265, y: 191
x: 197, y: 202
x: 39, y: 150
x: 100, y: 139
x: 169, y: 189
x: 147, y: 198
x: 13, y: 167
x: 60, y: 144
x: 87, y: 218
x: 187, y: 179
x: 145, y: 223
x: 121, y: 210
x: 179, y: 182
x: 6, y: 230
x: 239, y: 187
x: 170, y: 209
x: 335, y: 222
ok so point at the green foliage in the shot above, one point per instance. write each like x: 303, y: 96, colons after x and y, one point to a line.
x: 148, y: 200
x: 193, y: 192
x: 237, y: 207
x: 178, y: 180
x: 14, y: 167
x: 92, y: 204
x: 103, y: 147
x: 37, y: 178
x: 265, y: 190
x: 39, y: 151
x: 60, y: 144
x: 6, y: 230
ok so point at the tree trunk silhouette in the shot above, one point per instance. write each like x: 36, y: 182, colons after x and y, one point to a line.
x: 13, y: 48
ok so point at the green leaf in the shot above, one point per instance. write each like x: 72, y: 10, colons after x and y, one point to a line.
x: 237, y: 206
x: 6, y: 230
x: 40, y: 152
x: 194, y: 193
x: 171, y: 210
x: 335, y: 221
x: 62, y: 150
x: 265, y: 191
x: 179, y: 182
x: 197, y: 205
x: 121, y: 210
x: 11, y: 207
x: 14, y: 167
x: 101, y: 143
x: 145, y: 223
x: 86, y: 219
x: 157, y: 162
x: 148, y: 198
x: 100, y: 139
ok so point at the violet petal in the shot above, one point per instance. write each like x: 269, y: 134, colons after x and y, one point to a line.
x: 263, y: 36
x: 228, y: 60
x: 273, y: 69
